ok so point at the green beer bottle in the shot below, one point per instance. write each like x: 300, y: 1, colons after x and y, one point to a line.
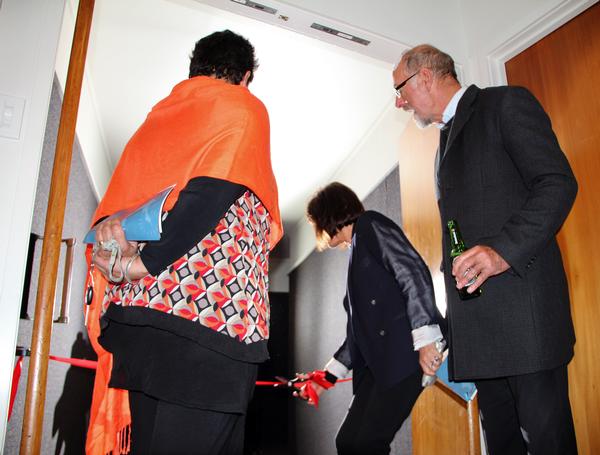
x: 457, y: 247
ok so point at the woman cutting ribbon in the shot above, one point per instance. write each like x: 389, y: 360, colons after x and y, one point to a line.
x: 393, y: 323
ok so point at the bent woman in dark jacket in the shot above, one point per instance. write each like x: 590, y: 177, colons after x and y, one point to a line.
x: 393, y: 323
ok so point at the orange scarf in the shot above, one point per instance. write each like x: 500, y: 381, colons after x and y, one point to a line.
x: 205, y: 127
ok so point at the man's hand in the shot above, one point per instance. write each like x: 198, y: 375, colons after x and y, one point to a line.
x: 476, y: 265
x: 430, y: 359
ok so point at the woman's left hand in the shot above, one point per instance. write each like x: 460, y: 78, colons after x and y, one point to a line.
x: 106, y: 231
x: 109, y: 230
x: 430, y: 359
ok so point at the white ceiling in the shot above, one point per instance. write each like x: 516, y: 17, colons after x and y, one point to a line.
x: 322, y: 99
x: 329, y: 99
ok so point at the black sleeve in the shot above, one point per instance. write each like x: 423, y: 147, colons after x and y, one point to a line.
x: 200, y: 206
x: 342, y: 355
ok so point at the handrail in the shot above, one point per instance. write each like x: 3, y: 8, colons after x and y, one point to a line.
x: 31, y: 436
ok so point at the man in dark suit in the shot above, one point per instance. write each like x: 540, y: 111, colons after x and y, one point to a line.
x: 501, y: 174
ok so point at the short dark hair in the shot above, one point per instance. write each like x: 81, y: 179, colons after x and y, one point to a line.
x: 427, y: 56
x: 332, y: 208
x: 224, y: 55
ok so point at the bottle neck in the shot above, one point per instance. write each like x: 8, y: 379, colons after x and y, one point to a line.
x: 457, y: 245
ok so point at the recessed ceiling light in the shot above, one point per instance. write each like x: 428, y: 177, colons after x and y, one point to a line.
x: 334, y: 32
x: 258, y: 6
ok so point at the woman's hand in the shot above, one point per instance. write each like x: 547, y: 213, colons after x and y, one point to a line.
x: 110, y: 231
x: 302, y: 393
x: 430, y: 359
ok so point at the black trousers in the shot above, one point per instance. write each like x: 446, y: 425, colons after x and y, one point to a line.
x: 376, y: 414
x: 528, y: 413
x: 162, y: 428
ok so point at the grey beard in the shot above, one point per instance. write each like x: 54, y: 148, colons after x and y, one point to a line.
x: 421, y: 122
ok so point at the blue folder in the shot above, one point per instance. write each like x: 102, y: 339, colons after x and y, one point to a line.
x: 140, y: 223
x: 465, y: 390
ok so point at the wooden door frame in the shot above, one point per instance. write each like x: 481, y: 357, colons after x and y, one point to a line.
x: 543, y: 26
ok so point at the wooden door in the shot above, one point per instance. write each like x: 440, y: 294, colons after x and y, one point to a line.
x: 442, y: 424
x: 563, y: 72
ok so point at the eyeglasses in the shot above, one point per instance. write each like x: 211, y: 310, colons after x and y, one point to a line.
x: 401, y: 85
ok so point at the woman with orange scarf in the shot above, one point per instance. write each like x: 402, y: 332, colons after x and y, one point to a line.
x: 180, y: 337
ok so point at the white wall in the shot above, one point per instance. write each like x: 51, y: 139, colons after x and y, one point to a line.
x: 89, y: 128
x: 29, y: 31
x: 364, y: 169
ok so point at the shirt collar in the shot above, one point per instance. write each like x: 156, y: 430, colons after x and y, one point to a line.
x: 452, y: 105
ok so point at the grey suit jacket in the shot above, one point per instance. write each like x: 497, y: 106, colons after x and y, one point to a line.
x: 506, y: 181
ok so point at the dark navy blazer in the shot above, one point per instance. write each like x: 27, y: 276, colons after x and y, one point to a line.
x: 389, y: 293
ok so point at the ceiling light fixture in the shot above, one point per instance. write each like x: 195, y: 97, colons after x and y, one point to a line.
x: 334, y: 32
x: 258, y: 6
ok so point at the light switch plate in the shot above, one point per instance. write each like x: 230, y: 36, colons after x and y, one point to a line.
x: 11, y: 116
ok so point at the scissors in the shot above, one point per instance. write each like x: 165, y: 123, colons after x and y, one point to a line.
x: 298, y: 385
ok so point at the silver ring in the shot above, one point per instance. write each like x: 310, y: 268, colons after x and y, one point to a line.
x: 472, y: 280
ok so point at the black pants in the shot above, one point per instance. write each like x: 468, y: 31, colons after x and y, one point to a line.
x: 375, y: 415
x: 159, y: 427
x: 528, y: 413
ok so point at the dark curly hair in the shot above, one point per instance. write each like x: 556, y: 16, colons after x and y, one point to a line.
x: 332, y: 208
x: 224, y: 55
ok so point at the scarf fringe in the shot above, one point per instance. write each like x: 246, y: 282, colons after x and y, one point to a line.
x: 123, y: 441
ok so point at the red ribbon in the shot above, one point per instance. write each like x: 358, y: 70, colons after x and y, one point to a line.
x: 82, y: 363
x: 306, y: 385
x: 317, y: 377
x: 15, y: 384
